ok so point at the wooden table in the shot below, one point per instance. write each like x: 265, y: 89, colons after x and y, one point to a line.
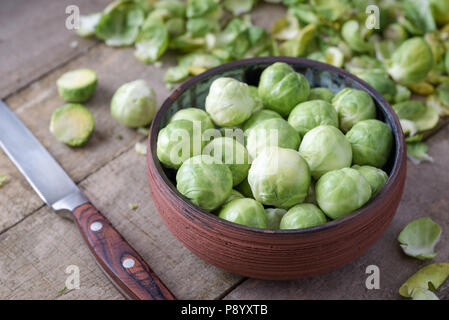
x: 36, y: 246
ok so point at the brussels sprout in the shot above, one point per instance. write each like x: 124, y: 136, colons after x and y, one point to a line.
x: 352, y: 106
x: 175, y: 27
x: 384, y: 49
x: 234, y: 195
x: 417, y: 152
x: 371, y: 142
x: 176, y: 74
x: 353, y: 35
x: 297, y: 46
x: 321, y: 94
x: 119, y: 24
x: 325, y: 149
x: 305, y: 13
x: 134, y: 104
x: 88, y: 24
x: 237, y: 7
x: 303, y: 216
x: 340, y: 192
x: 440, y: 11
x: 419, y: 238
x: 381, y: 83
x: 77, y: 85
x: 178, y: 141
x: 229, y: 102
x: 72, y: 124
x: 411, y: 109
x: 272, y: 132
x: 310, y: 114
x: 395, y: 32
x: 434, y: 102
x: 151, y: 43
x: 246, y: 211
x: 245, y: 189
x: 422, y: 88
x: 231, y: 153
x: 428, y: 120
x: 204, y: 181
x: 194, y: 114
x: 430, y: 277
x: 274, y: 217
x: 258, y: 117
x: 411, y: 62
x: 279, y: 177
x: 423, y: 294
x: 281, y: 88
x: 254, y: 92
x: 375, y: 177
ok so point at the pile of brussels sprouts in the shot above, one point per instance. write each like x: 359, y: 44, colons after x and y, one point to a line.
x: 285, y: 156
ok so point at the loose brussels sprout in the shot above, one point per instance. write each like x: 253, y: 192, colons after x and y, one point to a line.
x: 340, y: 192
x: 77, y: 85
x: 279, y: 177
x: 151, y: 43
x: 321, y: 94
x: 411, y: 109
x: 194, y: 114
x: 411, y: 62
x: 120, y: 22
x: 281, y: 88
x: 231, y: 153
x: 375, y: 177
x: 234, y: 195
x: 381, y: 83
x: 419, y: 238
x: 204, y: 181
x: 177, y: 142
x: 310, y: 114
x: 430, y: 277
x: 274, y: 217
x: 176, y: 74
x: 134, y: 104
x: 325, y: 149
x: 422, y: 88
x: 395, y: 32
x: 352, y: 106
x: 245, y: 189
x: 371, y: 142
x: 258, y: 117
x: 246, y: 211
x: 353, y: 36
x: 229, y: 102
x: 72, y: 124
x: 272, y: 132
x: 303, y: 216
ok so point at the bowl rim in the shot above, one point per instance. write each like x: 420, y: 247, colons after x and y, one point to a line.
x: 399, y: 163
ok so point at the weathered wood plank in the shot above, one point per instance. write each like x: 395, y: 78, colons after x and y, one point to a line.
x: 426, y: 194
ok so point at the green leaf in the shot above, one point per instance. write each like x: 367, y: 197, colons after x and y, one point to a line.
x: 419, y: 238
x: 152, y: 43
x: 431, y: 277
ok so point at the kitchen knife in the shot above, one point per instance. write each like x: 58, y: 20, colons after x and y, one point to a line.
x: 120, y: 262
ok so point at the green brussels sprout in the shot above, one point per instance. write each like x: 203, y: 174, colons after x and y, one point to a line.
x: 381, y: 83
x: 376, y: 177
x: 237, y: 7
x: 352, y: 106
x: 229, y: 102
x: 325, y: 148
x: 134, y: 104
x: 254, y: 92
x: 430, y: 277
x: 231, y: 153
x: 119, y: 23
x: 199, y: 59
x: 371, y: 142
x: 194, y: 114
x: 77, y: 85
x: 419, y: 238
x: 272, y: 132
x: 281, y: 88
x: 395, y: 32
x: 303, y: 216
x: 321, y: 94
x: 411, y: 109
x: 72, y: 124
x: 245, y: 189
x: 88, y: 24
x: 151, y: 43
x: 353, y: 35
x: 340, y: 192
x: 246, y: 211
x: 417, y: 152
x: 436, y: 44
x: 177, y: 142
x: 204, y: 181
x: 234, y: 195
x: 258, y: 117
x: 411, y: 62
x: 440, y: 11
x: 279, y: 177
x: 310, y: 114
x: 274, y: 217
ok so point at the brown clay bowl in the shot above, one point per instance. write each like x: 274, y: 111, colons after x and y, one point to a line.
x: 274, y: 254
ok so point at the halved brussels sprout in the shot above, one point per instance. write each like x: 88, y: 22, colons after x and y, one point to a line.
x: 229, y: 102
x: 310, y: 114
x: 353, y: 35
x: 246, y: 211
x: 303, y: 216
x: 371, y: 142
x: 419, y: 238
x: 430, y: 277
x: 204, y: 181
x: 279, y: 177
x: 258, y: 117
x: 417, y: 152
x: 376, y: 177
x: 340, y: 192
x: 134, y: 104
x: 77, y: 85
x: 325, y: 148
x: 231, y: 153
x: 151, y: 43
x: 274, y: 217
x: 411, y: 109
x: 194, y: 114
x: 321, y: 94
x: 281, y: 88
x: 234, y: 195
x: 352, y: 106
x: 272, y: 132
x: 434, y: 102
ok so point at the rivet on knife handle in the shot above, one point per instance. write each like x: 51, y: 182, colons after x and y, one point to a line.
x: 119, y: 260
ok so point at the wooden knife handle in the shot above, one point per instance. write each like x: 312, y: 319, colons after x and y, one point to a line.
x: 121, y: 263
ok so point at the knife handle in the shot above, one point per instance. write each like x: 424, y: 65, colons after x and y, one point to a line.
x: 121, y: 263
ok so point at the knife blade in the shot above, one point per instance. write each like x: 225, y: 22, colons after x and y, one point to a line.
x: 121, y: 263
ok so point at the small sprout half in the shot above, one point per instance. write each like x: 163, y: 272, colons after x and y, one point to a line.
x: 430, y: 277
x: 419, y: 238
x: 274, y: 217
x: 72, y: 124
x: 302, y: 216
x: 77, y: 85
x: 246, y: 211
